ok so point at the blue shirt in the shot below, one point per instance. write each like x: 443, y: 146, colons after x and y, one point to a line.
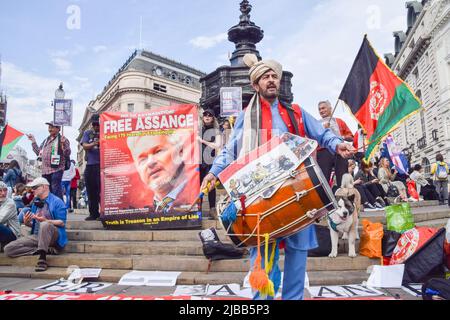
x: 93, y: 155
x: 57, y: 210
x: 305, y: 239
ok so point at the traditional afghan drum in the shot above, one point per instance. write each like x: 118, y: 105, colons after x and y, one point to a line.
x: 292, y: 193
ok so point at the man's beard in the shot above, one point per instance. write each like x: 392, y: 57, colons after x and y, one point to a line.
x: 161, y: 184
x: 169, y: 182
x: 266, y: 95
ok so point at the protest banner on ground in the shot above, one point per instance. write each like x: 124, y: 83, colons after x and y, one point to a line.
x: 149, y: 168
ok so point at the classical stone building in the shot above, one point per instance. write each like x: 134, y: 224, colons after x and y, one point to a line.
x: 145, y: 81
x: 422, y: 59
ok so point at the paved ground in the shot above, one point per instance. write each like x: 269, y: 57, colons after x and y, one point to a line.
x: 28, y: 285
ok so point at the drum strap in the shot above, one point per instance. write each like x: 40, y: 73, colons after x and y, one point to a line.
x: 290, y: 112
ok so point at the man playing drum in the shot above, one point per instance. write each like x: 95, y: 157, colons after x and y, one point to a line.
x: 266, y: 117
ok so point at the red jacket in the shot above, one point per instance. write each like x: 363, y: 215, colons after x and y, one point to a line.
x: 74, y: 182
x: 267, y: 119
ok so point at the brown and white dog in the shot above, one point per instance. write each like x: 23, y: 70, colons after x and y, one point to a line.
x: 345, y: 218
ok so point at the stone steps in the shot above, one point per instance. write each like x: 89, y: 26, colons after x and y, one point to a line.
x: 119, y: 252
x: 422, y: 211
x: 183, y: 248
x: 178, y: 263
x: 97, y: 225
x: 109, y: 235
x: 176, y: 248
x: 316, y: 278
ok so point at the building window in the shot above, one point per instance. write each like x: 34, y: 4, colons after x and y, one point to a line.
x: 422, y: 122
x: 131, y: 107
x: 159, y: 87
x: 147, y: 106
x: 188, y: 80
x: 416, y: 74
x: 426, y: 166
x: 173, y: 76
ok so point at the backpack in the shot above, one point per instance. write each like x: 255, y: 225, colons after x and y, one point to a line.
x: 441, y: 172
x: 392, y: 191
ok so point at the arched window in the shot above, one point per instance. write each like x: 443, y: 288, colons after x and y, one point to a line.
x: 426, y: 166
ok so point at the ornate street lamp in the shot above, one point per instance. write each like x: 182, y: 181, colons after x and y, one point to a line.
x: 59, y: 93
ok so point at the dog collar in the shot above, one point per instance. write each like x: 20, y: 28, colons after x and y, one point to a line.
x: 333, y: 225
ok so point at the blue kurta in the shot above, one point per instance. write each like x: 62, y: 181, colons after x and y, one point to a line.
x: 298, y: 244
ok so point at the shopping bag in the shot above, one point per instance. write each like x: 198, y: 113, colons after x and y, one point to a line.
x: 412, y: 189
x: 390, y: 239
x: 371, y: 239
x: 399, y: 217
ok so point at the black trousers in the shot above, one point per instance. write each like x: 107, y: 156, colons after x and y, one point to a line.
x: 204, y: 170
x: 92, y: 179
x: 366, y: 195
x: 376, y: 190
x: 327, y: 162
x: 73, y: 198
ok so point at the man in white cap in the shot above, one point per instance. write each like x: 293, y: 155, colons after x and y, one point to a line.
x: 265, y: 117
x: 9, y: 224
x: 47, y: 219
x: 54, y: 153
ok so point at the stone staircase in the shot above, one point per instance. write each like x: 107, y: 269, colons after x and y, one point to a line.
x: 119, y: 252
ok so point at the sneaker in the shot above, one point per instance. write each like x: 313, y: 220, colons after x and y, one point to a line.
x: 90, y: 218
x: 70, y: 210
x: 378, y: 205
x: 380, y: 201
x: 411, y: 199
x: 368, y: 205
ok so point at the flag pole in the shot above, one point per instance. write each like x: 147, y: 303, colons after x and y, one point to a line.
x: 334, y: 110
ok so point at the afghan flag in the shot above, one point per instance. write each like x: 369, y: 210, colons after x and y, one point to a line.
x: 378, y: 99
x: 8, y: 139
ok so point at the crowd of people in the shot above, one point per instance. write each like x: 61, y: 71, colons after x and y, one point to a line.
x: 41, y: 204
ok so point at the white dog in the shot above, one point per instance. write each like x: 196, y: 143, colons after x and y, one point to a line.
x: 345, y: 218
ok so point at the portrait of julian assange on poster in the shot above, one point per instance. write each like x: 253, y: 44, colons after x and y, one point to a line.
x: 149, y: 168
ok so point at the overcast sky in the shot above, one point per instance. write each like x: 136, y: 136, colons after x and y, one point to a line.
x: 83, y: 44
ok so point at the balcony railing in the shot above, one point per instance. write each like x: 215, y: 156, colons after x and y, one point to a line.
x: 435, y: 135
x: 422, y: 143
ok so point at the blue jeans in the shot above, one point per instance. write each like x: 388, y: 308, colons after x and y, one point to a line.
x: 65, y: 185
x: 6, y: 235
x: 55, y: 183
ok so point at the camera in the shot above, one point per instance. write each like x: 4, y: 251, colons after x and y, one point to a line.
x: 39, y: 203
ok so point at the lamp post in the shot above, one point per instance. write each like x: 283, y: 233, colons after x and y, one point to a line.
x: 59, y: 95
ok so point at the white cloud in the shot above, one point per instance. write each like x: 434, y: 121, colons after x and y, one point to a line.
x: 204, y: 42
x: 29, y: 103
x: 62, y: 65
x: 60, y: 53
x: 98, y: 49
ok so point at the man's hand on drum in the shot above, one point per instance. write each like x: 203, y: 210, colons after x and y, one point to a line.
x: 209, y: 182
x: 345, y: 150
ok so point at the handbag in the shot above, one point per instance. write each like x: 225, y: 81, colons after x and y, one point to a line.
x: 392, y: 191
